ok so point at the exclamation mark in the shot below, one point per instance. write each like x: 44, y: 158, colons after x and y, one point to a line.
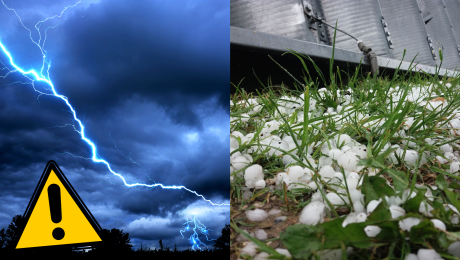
x: 54, y: 197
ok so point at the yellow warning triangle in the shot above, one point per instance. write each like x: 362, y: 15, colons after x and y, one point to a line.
x: 56, y: 215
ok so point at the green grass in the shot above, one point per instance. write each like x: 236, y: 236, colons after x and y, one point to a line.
x: 376, y: 114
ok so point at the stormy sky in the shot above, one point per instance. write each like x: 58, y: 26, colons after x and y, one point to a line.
x: 150, y: 82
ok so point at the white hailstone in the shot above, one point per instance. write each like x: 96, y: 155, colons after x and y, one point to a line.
x: 408, y: 123
x: 407, y: 223
x: 241, y: 238
x: 372, y: 231
x: 331, y: 254
x: 394, y: 200
x: 282, y: 176
x: 290, y: 140
x: 351, y: 218
x: 256, y: 109
x: 339, y: 109
x: 327, y: 172
x: 450, y: 156
x: 274, y: 212
x: 361, y: 217
x: 260, y: 184
x: 233, y: 156
x: 250, y: 136
x: 352, y: 183
x: 361, y: 151
x: 238, y: 134
x: 441, y: 160
x: 348, y: 161
x: 249, y: 249
x: 439, y: 224
x: 372, y: 205
x: 397, y: 211
x: 405, y: 194
x: 283, y: 252
x: 317, y: 196
x: 287, y: 182
x: 352, y: 175
x: 247, y: 195
x: 313, y: 213
x: 345, y: 148
x: 231, y: 103
x: 411, y: 257
x: 261, y: 234
x: 454, y: 167
x: 429, y: 195
x: 335, y: 153
x: 429, y: 141
x: 454, y: 219
x: 245, y: 117
x: 454, y: 249
x: 247, y: 156
x: 425, y: 209
x: 411, y: 157
x: 342, y: 139
x: 311, y: 161
x: 239, y: 162
x: 335, y: 199
x: 428, y: 254
x: 358, y: 207
x: 446, y: 148
x: 253, y: 174
x: 261, y: 256
x: 307, y: 176
x: 338, y: 175
x: 256, y: 215
x: 272, y: 125
x: 283, y: 145
x: 233, y: 143
x: 323, y: 160
x: 313, y: 185
x: 295, y: 172
x: 287, y: 159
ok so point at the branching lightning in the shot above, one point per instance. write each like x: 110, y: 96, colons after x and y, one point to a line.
x: 32, y: 75
x: 194, y: 240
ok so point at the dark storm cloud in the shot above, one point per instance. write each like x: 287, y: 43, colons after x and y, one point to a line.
x: 176, y: 67
x: 152, y: 74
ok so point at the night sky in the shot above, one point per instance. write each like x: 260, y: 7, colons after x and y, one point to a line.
x: 150, y: 81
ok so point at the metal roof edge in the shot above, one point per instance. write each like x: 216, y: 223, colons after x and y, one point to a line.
x: 270, y: 42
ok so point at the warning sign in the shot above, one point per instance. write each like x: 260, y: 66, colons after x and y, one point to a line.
x: 56, y: 215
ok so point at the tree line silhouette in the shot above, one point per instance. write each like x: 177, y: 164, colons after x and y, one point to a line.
x: 115, y: 242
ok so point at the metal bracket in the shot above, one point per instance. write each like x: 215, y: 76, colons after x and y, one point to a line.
x: 430, y: 43
x: 314, y: 21
x: 387, y: 34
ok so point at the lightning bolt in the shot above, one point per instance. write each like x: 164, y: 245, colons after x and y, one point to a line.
x: 194, y: 240
x: 32, y: 75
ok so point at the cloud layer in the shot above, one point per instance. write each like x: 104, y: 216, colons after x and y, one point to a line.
x: 149, y: 79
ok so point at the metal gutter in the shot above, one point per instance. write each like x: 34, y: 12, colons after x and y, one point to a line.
x: 248, y: 39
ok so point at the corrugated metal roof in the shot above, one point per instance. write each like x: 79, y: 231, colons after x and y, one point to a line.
x: 453, y: 11
x: 280, y: 17
x: 368, y: 21
x: 361, y: 19
x: 407, y: 30
x: 440, y: 30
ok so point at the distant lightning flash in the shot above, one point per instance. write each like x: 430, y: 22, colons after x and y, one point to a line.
x: 194, y: 240
x: 81, y: 132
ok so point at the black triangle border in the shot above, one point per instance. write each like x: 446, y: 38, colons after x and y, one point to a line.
x: 52, y: 165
